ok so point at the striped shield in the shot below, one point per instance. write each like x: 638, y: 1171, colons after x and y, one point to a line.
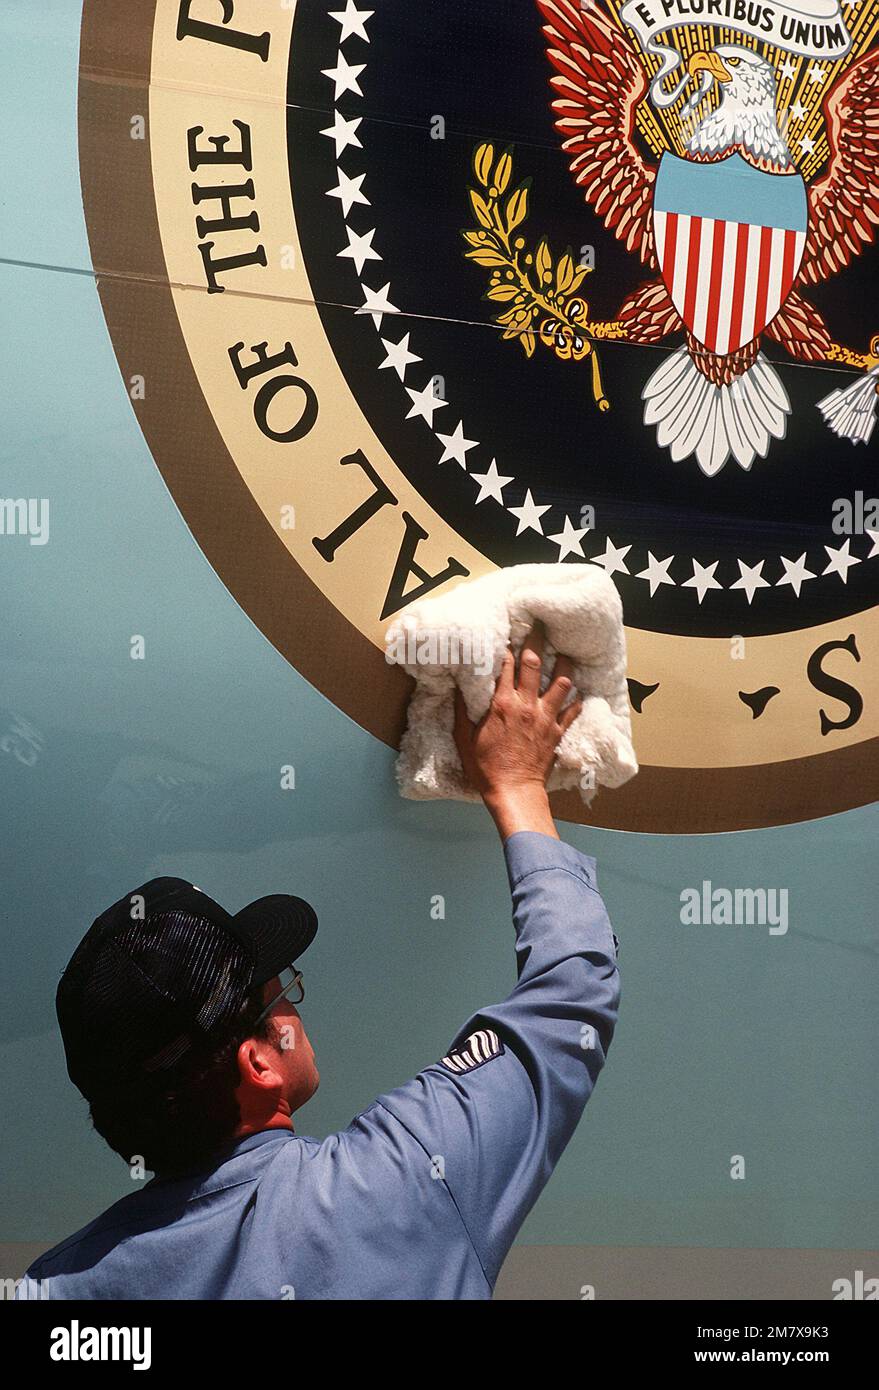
x: 729, y: 240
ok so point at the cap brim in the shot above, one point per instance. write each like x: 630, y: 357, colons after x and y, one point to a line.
x: 280, y: 927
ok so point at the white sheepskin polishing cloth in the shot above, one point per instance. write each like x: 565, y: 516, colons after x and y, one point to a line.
x: 459, y: 638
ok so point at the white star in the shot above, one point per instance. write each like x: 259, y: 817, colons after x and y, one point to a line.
x: 613, y: 559
x: 656, y: 572
x: 425, y: 403
x: 529, y: 515
x: 798, y: 111
x: 702, y: 579
x: 352, y: 21
x: 342, y: 132
x: 750, y: 579
x: 568, y: 540
x: 360, y: 249
x: 840, y: 561
x: 795, y: 573
x: 787, y: 70
x: 491, y: 484
x: 345, y: 76
x: 874, y: 537
x: 376, y: 302
x: 807, y: 144
x: 349, y: 191
x: 399, y: 357
x: 456, y: 445
x: 815, y: 74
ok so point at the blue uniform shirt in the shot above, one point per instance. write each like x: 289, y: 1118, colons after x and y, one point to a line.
x: 422, y: 1195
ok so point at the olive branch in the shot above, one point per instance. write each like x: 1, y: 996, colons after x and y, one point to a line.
x: 541, y: 294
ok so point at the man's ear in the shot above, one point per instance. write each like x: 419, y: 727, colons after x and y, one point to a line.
x: 253, y: 1065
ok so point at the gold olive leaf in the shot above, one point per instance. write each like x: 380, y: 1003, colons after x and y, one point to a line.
x: 539, y: 294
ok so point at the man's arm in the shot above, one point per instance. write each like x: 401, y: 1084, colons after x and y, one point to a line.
x: 496, y: 1113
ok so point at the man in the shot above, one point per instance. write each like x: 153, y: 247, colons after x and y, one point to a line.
x: 181, y: 1029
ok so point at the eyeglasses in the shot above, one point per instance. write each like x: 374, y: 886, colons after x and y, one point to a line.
x: 292, y: 988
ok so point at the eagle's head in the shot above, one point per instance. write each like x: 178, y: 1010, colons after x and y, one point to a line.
x: 745, y: 118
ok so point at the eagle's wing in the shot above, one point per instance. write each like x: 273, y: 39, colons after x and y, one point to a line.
x: 600, y: 82
x: 800, y: 328
x: 844, y: 205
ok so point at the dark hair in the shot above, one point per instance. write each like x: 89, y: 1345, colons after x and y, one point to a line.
x: 178, y: 1129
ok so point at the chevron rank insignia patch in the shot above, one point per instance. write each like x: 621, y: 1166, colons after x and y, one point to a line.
x: 480, y: 1047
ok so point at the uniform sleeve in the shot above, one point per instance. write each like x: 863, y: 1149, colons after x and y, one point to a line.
x: 497, y: 1112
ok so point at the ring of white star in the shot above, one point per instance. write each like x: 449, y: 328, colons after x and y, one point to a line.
x: 424, y: 403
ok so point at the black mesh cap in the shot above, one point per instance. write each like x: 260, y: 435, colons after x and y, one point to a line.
x: 160, y: 979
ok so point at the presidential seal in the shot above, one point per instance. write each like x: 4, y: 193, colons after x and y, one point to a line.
x: 405, y: 294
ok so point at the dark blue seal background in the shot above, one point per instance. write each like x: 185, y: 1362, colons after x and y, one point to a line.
x: 483, y: 69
